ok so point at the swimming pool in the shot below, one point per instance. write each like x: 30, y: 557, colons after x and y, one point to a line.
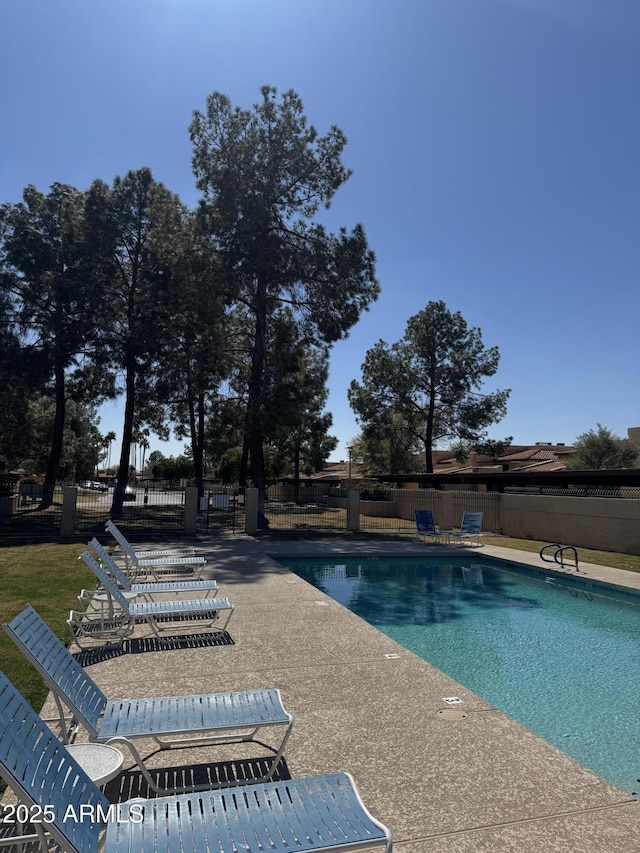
x: 558, y: 655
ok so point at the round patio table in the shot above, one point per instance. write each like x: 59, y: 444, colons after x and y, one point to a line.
x: 99, y: 761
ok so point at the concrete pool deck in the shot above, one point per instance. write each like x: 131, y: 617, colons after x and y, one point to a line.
x: 445, y: 779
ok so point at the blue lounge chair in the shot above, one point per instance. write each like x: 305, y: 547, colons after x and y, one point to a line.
x: 159, y: 614
x: 149, y: 588
x: 201, y: 719
x: 319, y: 813
x: 425, y: 525
x: 470, y: 528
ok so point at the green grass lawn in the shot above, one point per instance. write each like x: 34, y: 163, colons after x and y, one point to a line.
x: 49, y: 577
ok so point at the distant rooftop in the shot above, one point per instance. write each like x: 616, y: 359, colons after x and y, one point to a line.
x: 541, y: 456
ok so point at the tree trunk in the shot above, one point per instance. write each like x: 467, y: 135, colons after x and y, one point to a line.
x: 57, y: 439
x: 428, y: 444
x: 127, y: 434
x: 296, y: 471
x: 244, y: 461
x: 254, y: 403
x: 428, y: 457
x: 197, y: 415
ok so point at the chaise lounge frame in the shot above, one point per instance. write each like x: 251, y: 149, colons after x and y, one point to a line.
x: 319, y: 813
x: 148, y: 589
x: 170, y: 721
x: 154, y: 562
x: 157, y: 614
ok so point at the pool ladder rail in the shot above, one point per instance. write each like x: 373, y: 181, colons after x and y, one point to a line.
x: 558, y: 554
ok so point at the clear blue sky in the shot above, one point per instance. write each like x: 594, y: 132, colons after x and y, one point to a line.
x: 495, y: 146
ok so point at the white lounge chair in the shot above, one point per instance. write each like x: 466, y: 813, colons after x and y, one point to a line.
x: 158, y: 614
x: 149, y: 588
x: 170, y: 561
x: 319, y: 813
x: 200, y: 719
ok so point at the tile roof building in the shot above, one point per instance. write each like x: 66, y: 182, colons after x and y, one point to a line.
x: 542, y: 456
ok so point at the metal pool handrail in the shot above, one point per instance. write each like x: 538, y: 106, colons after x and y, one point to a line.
x: 558, y: 555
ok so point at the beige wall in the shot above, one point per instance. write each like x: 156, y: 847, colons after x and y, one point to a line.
x: 288, y: 493
x: 606, y: 524
x: 380, y: 509
x: 633, y: 434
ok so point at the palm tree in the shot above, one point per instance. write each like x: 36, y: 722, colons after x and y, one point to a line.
x: 107, y: 441
x: 139, y: 441
x: 144, y: 444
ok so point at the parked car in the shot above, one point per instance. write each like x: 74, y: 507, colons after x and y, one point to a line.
x: 94, y: 486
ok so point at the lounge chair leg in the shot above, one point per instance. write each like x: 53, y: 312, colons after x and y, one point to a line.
x: 195, y: 743
x: 276, y: 760
x: 180, y: 789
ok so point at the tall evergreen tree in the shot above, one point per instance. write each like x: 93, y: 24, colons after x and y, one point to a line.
x: 49, y: 261
x: 198, y: 341
x: 294, y: 421
x: 17, y: 381
x: 140, y: 224
x: 387, y: 445
x: 264, y: 174
x: 430, y: 381
x: 599, y: 448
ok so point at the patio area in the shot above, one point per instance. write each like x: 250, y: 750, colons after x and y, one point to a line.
x: 444, y: 780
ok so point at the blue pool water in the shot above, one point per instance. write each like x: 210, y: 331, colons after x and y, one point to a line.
x: 559, y: 656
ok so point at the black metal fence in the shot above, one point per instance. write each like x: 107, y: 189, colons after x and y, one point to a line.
x: 488, y: 503
x: 393, y: 512
x: 21, y: 516
x: 221, y: 509
x: 306, y: 510
x: 148, y: 509
x: 383, y: 515
x: 576, y: 491
x: 306, y: 517
x: 159, y: 509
